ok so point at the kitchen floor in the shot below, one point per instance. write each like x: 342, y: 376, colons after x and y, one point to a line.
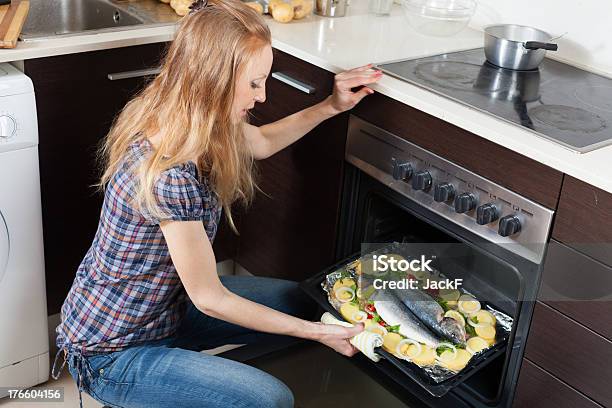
x: 318, y: 377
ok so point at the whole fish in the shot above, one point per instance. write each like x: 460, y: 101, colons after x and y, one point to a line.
x: 431, y: 313
x: 393, y: 312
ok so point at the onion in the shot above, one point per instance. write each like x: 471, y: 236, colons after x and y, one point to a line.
x: 466, y: 298
x: 451, y: 346
x: 398, y: 349
x: 343, y: 289
x: 359, y: 316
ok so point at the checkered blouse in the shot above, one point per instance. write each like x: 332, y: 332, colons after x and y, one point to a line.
x: 126, y: 289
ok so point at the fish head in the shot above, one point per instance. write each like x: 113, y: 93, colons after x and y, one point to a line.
x: 453, y: 329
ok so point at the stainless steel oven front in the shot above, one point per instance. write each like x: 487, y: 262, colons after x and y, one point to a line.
x: 396, y: 191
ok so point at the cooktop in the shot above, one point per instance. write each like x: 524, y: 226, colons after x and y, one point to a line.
x: 557, y: 101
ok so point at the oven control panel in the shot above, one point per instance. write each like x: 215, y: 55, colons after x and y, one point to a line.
x: 485, y: 208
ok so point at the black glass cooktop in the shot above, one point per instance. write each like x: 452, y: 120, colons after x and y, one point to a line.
x: 562, y: 103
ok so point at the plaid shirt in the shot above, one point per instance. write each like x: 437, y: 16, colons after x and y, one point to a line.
x: 126, y: 289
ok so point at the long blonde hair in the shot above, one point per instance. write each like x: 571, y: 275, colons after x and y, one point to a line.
x: 190, y: 104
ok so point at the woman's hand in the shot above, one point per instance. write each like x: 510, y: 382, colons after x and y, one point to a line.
x: 337, y: 337
x: 343, y: 99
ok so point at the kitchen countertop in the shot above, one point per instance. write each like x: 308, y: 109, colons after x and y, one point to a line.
x: 338, y: 44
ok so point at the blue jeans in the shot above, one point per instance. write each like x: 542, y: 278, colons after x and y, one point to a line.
x: 172, y: 373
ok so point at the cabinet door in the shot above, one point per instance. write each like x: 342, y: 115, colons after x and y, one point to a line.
x: 76, y: 104
x: 584, y: 219
x: 290, y: 229
x: 538, y: 388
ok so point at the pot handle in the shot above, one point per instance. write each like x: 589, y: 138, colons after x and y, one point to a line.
x: 536, y: 45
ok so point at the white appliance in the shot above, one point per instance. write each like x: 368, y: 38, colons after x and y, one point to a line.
x: 24, y: 347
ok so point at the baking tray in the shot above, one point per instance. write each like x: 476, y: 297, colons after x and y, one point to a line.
x: 312, y: 287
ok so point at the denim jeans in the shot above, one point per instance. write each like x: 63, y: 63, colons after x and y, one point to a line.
x: 172, y: 373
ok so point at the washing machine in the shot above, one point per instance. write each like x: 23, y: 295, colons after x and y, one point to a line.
x: 24, y: 346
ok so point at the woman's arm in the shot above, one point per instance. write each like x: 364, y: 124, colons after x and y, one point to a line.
x: 195, y: 263
x: 269, y: 139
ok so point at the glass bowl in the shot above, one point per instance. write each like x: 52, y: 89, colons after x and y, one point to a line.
x: 439, y: 17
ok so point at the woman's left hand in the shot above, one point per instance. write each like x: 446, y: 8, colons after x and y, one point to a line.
x: 343, y: 99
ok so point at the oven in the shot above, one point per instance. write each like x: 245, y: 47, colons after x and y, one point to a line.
x: 492, y: 238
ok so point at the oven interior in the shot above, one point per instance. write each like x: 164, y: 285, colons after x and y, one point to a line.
x: 380, y: 215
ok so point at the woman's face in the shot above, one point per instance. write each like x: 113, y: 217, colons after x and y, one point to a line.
x: 251, y: 83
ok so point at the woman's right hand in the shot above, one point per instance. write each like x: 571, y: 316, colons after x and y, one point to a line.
x: 337, y: 337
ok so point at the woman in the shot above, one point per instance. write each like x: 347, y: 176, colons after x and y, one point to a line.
x: 146, y: 297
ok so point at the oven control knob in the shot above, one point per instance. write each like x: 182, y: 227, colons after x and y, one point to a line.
x: 401, y: 171
x: 444, y: 192
x: 465, y: 202
x: 486, y: 214
x: 421, y: 180
x: 508, y: 225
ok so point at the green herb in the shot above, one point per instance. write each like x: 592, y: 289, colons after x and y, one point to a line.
x: 460, y: 346
x: 393, y: 329
x: 470, y: 330
x: 442, y: 349
x: 444, y: 304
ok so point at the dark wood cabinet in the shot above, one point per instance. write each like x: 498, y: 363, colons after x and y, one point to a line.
x: 290, y: 229
x: 584, y: 219
x: 579, y: 287
x: 76, y: 104
x: 571, y: 352
x: 538, y: 388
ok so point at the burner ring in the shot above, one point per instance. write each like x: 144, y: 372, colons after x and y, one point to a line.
x: 597, y: 97
x: 567, y: 118
x: 448, y: 74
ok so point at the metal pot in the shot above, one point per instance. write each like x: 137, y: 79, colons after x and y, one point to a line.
x: 516, y: 47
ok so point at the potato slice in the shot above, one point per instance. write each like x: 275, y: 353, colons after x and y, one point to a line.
x: 374, y: 327
x: 427, y: 356
x: 484, y: 316
x: 390, y: 342
x: 348, y: 282
x: 457, y: 363
x: 348, y: 311
x: 476, y: 344
x: 486, y: 332
x: 449, y: 295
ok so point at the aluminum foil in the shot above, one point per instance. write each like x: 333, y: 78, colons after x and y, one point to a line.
x: 435, y: 372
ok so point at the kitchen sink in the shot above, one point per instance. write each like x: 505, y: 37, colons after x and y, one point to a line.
x: 50, y: 18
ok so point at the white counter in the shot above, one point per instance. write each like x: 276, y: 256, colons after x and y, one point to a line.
x: 338, y: 44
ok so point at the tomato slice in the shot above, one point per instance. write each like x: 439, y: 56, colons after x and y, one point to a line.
x: 370, y: 308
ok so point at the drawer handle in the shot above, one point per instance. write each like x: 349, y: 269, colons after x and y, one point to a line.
x: 133, y: 74
x: 294, y: 83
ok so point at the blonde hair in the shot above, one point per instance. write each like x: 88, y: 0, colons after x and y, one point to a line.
x: 190, y: 104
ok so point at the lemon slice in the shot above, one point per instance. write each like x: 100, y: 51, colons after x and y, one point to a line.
x: 340, y: 283
x: 486, y: 332
x: 476, y: 344
x: 455, y: 315
x: 468, y: 305
x: 449, y: 294
x: 485, y: 316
